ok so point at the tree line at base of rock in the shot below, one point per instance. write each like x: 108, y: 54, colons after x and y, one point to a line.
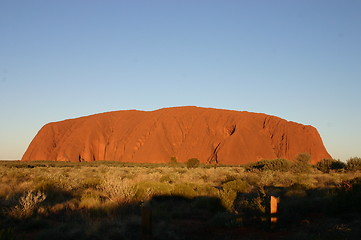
x: 300, y: 164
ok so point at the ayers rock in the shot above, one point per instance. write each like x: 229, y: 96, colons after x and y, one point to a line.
x: 211, y: 135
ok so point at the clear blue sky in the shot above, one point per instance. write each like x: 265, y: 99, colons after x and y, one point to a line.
x: 299, y: 60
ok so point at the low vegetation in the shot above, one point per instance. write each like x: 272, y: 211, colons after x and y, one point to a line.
x: 192, y: 163
x: 354, y: 164
x: 103, y: 200
x: 327, y: 165
x: 282, y: 165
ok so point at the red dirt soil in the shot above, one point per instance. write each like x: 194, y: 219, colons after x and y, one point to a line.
x: 211, y: 135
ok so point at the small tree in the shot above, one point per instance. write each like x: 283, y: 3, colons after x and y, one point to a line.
x: 354, y: 164
x: 173, y: 161
x: 326, y: 165
x: 303, y: 158
x: 338, y: 165
x: 192, y: 163
x: 302, y: 163
x: 270, y: 165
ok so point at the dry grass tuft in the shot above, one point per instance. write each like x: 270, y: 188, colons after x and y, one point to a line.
x: 28, y: 204
x: 118, y: 190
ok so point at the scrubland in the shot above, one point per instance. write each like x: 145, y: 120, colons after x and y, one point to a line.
x: 104, y: 200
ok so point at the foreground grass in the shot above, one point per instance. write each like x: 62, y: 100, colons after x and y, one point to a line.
x: 103, y: 200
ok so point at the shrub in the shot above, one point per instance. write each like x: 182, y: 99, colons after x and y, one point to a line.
x: 91, y: 182
x: 302, y: 163
x: 251, y: 206
x: 338, y: 165
x: 227, y: 196
x: 326, y: 165
x: 90, y: 199
x: 348, y: 199
x: 148, y: 189
x: 173, y: 161
x: 28, y: 203
x: 238, y: 185
x: 118, y: 190
x: 354, y: 164
x: 188, y: 190
x: 192, y: 163
x: 270, y: 165
x: 53, y: 190
x: 229, y: 191
x: 167, y: 179
x: 303, y: 158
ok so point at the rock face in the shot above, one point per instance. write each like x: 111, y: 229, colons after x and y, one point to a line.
x: 211, y: 135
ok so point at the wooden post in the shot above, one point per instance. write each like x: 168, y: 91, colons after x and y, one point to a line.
x: 272, y: 209
x: 146, y: 222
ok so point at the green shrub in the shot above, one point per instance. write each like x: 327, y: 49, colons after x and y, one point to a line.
x: 192, y: 163
x: 251, y: 206
x: 118, y: 190
x: 338, y: 165
x: 148, y: 189
x: 90, y: 199
x: 303, y: 158
x: 167, y: 179
x: 91, y: 182
x: 354, y: 164
x: 238, y: 185
x: 326, y: 165
x: 302, y: 163
x: 270, y: 165
x: 188, y: 190
x: 227, y: 196
x: 173, y: 161
x: 230, y: 190
x: 53, y: 191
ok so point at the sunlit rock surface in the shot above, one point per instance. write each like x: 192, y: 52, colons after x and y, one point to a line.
x: 211, y: 135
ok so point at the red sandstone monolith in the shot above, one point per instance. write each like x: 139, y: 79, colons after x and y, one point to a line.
x: 211, y: 135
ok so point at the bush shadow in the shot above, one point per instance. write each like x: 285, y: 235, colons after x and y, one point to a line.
x: 303, y: 213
